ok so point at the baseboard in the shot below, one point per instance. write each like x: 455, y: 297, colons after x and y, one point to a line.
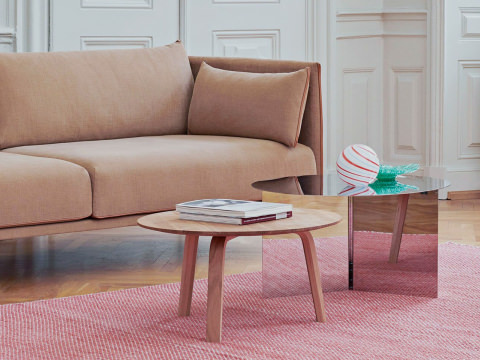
x: 463, y: 181
x: 464, y: 195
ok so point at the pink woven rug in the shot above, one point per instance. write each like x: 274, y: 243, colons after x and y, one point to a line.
x: 142, y: 323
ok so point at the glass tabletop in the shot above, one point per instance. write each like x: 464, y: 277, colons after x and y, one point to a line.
x: 334, y: 186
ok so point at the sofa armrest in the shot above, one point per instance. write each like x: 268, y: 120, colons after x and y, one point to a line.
x: 311, y: 133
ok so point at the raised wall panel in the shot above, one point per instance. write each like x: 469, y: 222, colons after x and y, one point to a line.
x: 261, y: 44
x: 405, y: 102
x: 470, y: 22
x: 259, y: 29
x: 469, y: 110
x: 358, y: 100
x: 115, y: 42
x: 6, y: 45
x: 409, y: 110
x: 245, y: 1
x: 117, y: 4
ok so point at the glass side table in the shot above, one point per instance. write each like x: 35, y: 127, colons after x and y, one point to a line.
x: 392, y: 240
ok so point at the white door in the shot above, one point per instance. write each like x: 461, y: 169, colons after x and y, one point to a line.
x: 462, y: 94
x: 270, y: 29
x: 119, y: 24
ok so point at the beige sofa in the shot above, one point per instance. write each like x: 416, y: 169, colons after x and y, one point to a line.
x: 92, y: 140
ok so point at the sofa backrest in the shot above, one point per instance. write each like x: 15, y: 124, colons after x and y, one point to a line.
x: 311, y: 131
x: 91, y: 95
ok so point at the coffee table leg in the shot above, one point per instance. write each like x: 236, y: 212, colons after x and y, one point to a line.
x: 188, y: 274
x: 398, y: 227
x: 314, y: 275
x: 215, y: 288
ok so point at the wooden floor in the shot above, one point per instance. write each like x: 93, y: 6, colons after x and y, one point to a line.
x: 107, y: 260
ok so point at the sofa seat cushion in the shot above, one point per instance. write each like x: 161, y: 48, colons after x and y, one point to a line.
x: 147, y: 174
x: 39, y: 190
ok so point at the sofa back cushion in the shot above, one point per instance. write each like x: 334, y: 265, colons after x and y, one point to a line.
x: 91, y: 95
x: 265, y: 106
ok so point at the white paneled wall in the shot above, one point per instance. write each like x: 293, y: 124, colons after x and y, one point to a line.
x: 405, y: 92
x: 381, y: 65
x: 269, y: 29
x: 113, y: 24
x: 462, y: 94
x: 382, y: 60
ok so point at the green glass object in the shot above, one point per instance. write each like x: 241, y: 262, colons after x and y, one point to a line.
x: 390, y: 187
x: 388, y: 173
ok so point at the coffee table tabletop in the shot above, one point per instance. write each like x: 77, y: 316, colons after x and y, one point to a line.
x: 301, y: 221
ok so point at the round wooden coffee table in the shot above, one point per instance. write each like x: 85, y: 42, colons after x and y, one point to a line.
x: 301, y: 223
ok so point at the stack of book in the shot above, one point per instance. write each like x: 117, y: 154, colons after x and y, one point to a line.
x: 227, y: 211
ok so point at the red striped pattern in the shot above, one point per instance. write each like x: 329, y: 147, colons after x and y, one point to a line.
x: 357, y: 191
x: 358, y: 165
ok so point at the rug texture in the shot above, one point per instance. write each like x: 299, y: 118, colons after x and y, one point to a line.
x: 142, y: 323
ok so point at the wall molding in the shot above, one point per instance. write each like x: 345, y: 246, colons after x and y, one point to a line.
x: 468, y: 93
x: 221, y: 38
x: 381, y: 15
x: 7, y: 41
x: 435, y: 74
x: 33, y: 25
x: 245, y: 1
x: 117, y: 4
x: 115, y: 42
x: 377, y: 34
x: 469, y: 14
x: 311, y: 29
x: 358, y: 24
x: 412, y: 79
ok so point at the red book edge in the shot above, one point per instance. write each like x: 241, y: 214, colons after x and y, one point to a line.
x: 253, y: 220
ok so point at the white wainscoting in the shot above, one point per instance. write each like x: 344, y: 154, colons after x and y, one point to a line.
x: 461, y: 153
x: 269, y: 29
x: 381, y: 97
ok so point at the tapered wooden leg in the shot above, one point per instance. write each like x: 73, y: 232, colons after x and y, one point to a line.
x: 398, y: 227
x: 314, y: 275
x: 188, y: 274
x: 215, y: 288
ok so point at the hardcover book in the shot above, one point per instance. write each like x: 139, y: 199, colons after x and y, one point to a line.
x: 235, y: 221
x: 232, y: 208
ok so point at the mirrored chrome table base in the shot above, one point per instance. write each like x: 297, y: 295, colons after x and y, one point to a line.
x: 391, y: 247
